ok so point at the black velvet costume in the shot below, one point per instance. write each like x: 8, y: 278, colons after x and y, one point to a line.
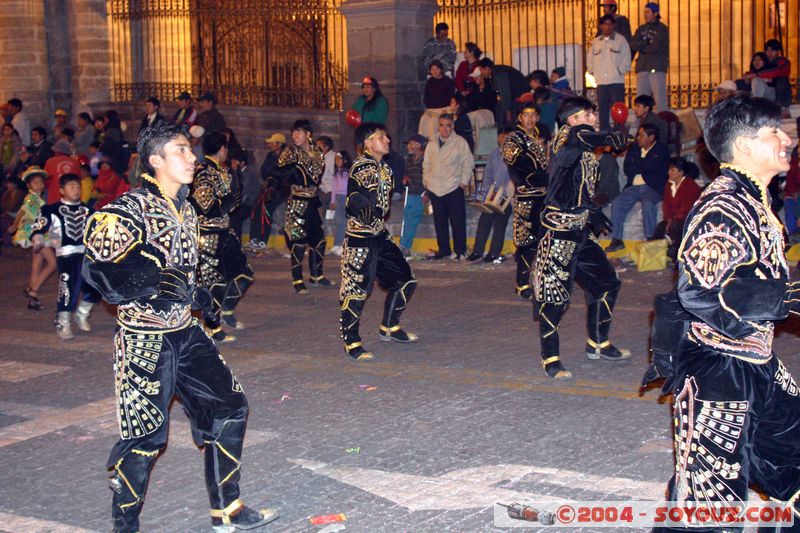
x: 568, y: 250
x: 141, y: 255
x: 223, y: 268
x: 302, y: 172
x: 737, y: 407
x: 526, y: 158
x: 62, y: 224
x: 370, y: 253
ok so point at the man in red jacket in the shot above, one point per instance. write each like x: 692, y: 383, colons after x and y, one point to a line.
x: 57, y: 165
x: 680, y: 194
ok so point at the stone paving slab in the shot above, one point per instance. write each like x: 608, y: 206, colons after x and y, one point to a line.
x: 423, y: 439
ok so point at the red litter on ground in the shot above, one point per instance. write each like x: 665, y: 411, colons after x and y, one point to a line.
x: 328, y: 519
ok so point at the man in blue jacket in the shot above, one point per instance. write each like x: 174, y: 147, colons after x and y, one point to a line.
x: 646, y: 166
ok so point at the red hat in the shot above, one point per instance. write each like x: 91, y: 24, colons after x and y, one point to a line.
x: 83, y: 160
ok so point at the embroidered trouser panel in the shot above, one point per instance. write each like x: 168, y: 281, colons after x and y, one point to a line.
x: 71, y: 284
x: 526, y: 212
x: 304, y: 228
x: 564, y: 257
x: 736, y: 423
x: 363, y: 261
x: 151, y: 368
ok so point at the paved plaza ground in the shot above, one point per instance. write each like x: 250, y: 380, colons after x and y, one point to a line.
x: 426, y: 438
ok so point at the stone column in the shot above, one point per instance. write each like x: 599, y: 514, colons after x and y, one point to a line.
x: 91, y: 58
x: 385, y: 40
x: 23, y: 58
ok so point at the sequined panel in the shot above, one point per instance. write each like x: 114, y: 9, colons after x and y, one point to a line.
x: 755, y: 348
x: 295, y: 211
x: 175, y: 237
x: 558, y: 220
x: 714, y: 252
x: 136, y: 356
x: 551, y: 274
x: 74, y: 220
x: 523, y: 226
x: 109, y: 237
x: 139, y: 316
x: 785, y: 380
x: 353, y: 260
x: 706, y: 434
x: 209, y: 270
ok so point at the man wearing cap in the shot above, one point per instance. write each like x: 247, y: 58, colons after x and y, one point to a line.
x: 414, y: 203
x: 651, y: 42
x: 60, y: 124
x: 369, y: 252
x: 210, y: 117
x: 621, y: 23
x: 152, y: 110
x: 186, y: 115
x: 608, y: 61
x: 477, y: 109
x: 300, y: 167
x: 57, y: 165
x: 273, y: 194
x: 525, y: 153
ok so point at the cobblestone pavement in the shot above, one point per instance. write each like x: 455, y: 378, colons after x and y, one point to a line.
x: 425, y: 438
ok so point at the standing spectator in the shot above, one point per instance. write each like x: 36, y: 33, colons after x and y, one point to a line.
x: 477, y: 109
x: 115, y: 148
x: 209, y: 118
x: 643, y: 110
x: 39, y: 150
x: 107, y: 186
x: 651, y: 42
x: 326, y: 182
x: 397, y: 164
x: 249, y: 178
x: 371, y: 105
x: 646, y: 166
x: 472, y: 55
x: 57, y: 165
x: 791, y: 190
x: 442, y: 48
x: 10, y: 148
x: 608, y: 61
x: 186, y: 115
x: 339, y: 201
x: 60, y: 124
x: 559, y: 84
x: 20, y: 120
x: 274, y: 193
x: 777, y: 75
x: 680, y: 194
x: 415, y: 199
x: 621, y: 22
x: 446, y: 173
x: 152, y: 113
x: 233, y: 142
x: 438, y: 98
x: 496, y: 175
x: 84, y: 135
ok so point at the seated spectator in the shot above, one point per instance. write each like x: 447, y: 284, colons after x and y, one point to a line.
x: 472, y: 55
x: 10, y: 148
x: 646, y: 165
x: 790, y: 193
x: 477, y: 109
x: 84, y: 135
x: 107, y: 186
x: 537, y: 79
x: 415, y: 197
x: 87, y: 182
x: 559, y: 84
x: 495, y: 174
x: 758, y: 63
x: 57, y: 165
x: 39, y: 150
x: 371, y: 105
x: 777, y: 74
x: 439, y: 92
x: 549, y: 109
x: 643, y: 106
x: 95, y: 158
x: 60, y: 124
x: 680, y: 194
x: 726, y: 89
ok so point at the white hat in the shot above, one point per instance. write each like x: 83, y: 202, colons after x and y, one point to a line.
x: 476, y: 73
x: 197, y: 131
x: 727, y: 85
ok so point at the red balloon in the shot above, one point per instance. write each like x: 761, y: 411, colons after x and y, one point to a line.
x: 619, y: 113
x: 353, y: 118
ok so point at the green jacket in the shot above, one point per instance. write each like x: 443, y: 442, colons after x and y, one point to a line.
x: 378, y: 113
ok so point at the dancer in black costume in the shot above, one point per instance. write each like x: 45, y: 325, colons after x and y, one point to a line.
x: 568, y: 250
x: 141, y: 254
x: 737, y: 407
x: 369, y: 252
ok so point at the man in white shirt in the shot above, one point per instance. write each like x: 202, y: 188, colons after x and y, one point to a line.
x: 608, y: 61
x: 447, y: 173
x: 20, y: 121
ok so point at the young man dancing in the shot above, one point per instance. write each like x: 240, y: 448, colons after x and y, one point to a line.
x: 525, y: 153
x: 141, y: 254
x: 369, y: 252
x: 737, y: 407
x: 567, y: 250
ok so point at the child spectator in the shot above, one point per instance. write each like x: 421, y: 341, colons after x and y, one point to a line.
x: 87, y: 183
x: 680, y: 194
x: 95, y: 158
x: 106, y: 186
x: 43, y: 262
x: 62, y: 225
x: 559, y: 84
x: 415, y: 199
x: 339, y: 198
x: 496, y: 174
